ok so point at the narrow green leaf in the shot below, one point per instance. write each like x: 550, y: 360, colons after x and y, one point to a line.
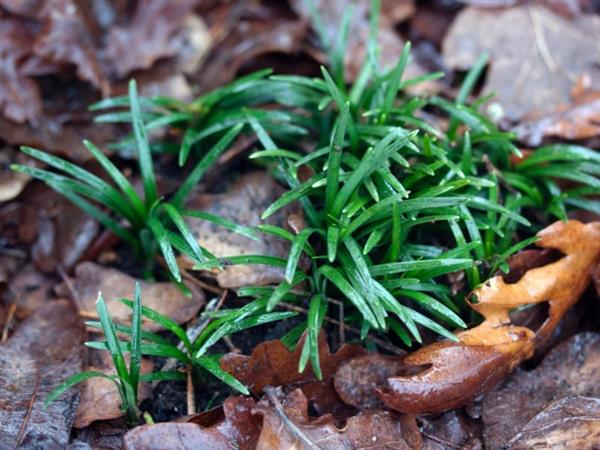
x: 143, y: 148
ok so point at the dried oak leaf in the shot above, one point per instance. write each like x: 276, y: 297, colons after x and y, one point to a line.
x: 236, y: 428
x: 166, y: 298
x: 272, y: 364
x: 100, y: 399
x: 44, y: 351
x: 286, y: 425
x: 522, y: 404
x: 243, y: 204
x: 150, y: 35
x: 535, y: 54
x: 456, y: 373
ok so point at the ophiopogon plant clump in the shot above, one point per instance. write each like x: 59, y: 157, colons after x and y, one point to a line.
x: 147, y: 222
x: 393, y: 203
x: 191, y: 353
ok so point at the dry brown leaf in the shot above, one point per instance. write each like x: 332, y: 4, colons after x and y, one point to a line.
x: 272, y: 364
x: 166, y: 298
x: 100, y: 398
x: 19, y: 95
x: 243, y: 204
x: 46, y: 349
x: 455, y: 373
x: 571, y: 422
x: 517, y: 406
x: 67, y: 39
x: 236, y: 427
x: 151, y: 34
x: 535, y: 54
x: 580, y: 120
x: 286, y: 425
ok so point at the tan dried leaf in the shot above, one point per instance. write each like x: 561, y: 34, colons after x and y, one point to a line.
x: 456, y: 373
x: 166, y: 298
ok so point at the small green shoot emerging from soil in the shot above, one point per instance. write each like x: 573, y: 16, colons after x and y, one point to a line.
x: 153, y: 223
x: 146, y: 343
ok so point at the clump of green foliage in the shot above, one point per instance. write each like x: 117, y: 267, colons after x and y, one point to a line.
x: 145, y: 343
x: 393, y: 202
x: 202, y: 121
x: 152, y: 222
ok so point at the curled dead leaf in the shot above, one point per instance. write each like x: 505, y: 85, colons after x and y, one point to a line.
x: 455, y: 373
x: 166, y: 298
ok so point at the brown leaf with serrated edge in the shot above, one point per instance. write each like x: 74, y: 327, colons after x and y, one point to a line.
x: 272, y: 364
x: 457, y: 372
x: 286, y: 425
x: 236, y: 427
x: 165, y: 298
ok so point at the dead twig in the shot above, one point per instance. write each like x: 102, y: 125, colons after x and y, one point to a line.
x: 9, y: 317
x: 285, y: 420
x: 23, y: 427
x: 191, y: 399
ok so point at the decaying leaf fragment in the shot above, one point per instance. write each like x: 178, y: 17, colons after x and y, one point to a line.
x: 286, y: 425
x: 272, y: 364
x: 458, y: 372
x: 166, y: 298
x: 235, y: 427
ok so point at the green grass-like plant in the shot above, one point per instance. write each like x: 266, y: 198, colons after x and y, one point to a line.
x: 392, y: 202
x: 147, y: 222
x: 145, y: 343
